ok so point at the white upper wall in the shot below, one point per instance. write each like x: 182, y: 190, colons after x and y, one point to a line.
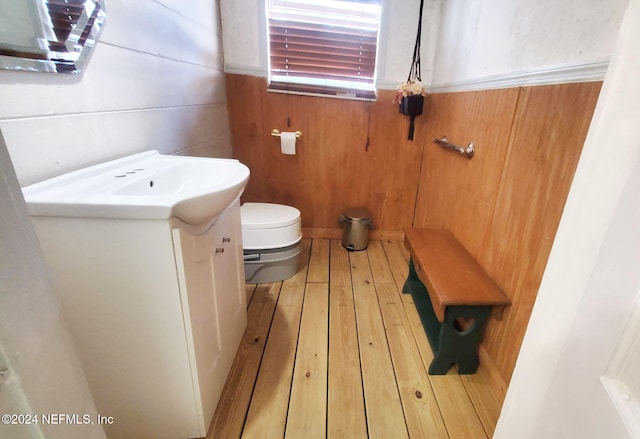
x: 488, y: 38
x: 462, y: 41
x: 154, y: 81
x: 244, y: 38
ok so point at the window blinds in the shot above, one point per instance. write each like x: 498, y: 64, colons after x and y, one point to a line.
x: 323, y: 46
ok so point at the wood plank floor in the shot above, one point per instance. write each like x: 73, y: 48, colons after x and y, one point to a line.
x: 337, y: 351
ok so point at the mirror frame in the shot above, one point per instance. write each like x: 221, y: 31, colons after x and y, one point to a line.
x: 78, y: 45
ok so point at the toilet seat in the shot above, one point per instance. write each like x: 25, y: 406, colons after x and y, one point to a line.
x: 269, y: 226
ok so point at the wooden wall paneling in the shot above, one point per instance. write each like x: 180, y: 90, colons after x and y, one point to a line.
x: 393, y: 165
x: 546, y: 141
x: 349, y: 167
x: 454, y: 192
x: 333, y: 168
x: 339, y: 133
x: 282, y: 174
x: 247, y: 128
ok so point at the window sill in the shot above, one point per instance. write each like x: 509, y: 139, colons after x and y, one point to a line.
x: 323, y: 92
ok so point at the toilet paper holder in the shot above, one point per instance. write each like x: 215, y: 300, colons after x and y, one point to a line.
x: 276, y: 133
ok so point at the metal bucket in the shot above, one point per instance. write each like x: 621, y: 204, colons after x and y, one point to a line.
x: 355, y: 224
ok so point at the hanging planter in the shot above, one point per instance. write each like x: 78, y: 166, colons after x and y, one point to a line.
x: 410, y: 97
x: 411, y: 105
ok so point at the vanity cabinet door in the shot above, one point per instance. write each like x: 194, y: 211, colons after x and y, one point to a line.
x: 229, y: 279
x: 195, y: 257
x: 211, y: 276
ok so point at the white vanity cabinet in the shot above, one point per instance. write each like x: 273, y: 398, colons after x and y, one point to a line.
x: 156, y: 312
x: 207, y: 263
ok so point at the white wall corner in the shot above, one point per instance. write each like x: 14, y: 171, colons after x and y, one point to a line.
x: 245, y: 70
x: 244, y: 36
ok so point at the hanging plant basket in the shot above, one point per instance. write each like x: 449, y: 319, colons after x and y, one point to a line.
x: 410, y: 97
x: 411, y: 106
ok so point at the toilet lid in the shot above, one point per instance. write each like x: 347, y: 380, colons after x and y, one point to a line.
x: 268, y: 215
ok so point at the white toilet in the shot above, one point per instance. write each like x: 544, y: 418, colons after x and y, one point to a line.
x: 271, y: 240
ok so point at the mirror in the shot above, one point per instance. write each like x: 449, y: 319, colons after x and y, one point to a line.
x: 49, y: 35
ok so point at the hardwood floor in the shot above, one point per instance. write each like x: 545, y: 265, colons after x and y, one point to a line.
x: 337, y: 351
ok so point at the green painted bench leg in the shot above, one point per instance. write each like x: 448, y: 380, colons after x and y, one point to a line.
x: 450, y: 345
x: 460, y: 346
x: 422, y: 301
x: 412, y: 282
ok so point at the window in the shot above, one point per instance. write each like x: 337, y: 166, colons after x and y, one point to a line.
x: 323, y: 46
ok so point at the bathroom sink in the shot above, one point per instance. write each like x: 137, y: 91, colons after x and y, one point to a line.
x: 148, y: 185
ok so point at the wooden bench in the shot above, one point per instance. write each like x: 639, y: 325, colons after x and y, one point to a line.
x: 453, y: 295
